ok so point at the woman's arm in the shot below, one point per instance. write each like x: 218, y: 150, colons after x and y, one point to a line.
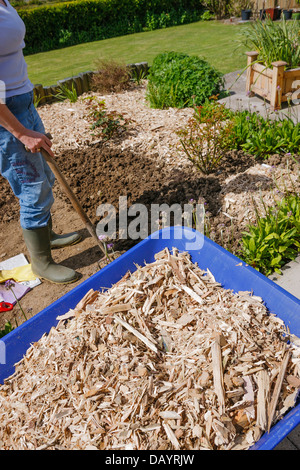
x: 31, y: 139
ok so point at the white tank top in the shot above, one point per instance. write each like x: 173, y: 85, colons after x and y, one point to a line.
x: 13, y: 68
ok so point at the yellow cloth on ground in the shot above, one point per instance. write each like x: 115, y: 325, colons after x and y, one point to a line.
x: 19, y: 274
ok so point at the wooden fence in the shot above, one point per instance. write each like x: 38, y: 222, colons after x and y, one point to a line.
x: 82, y: 83
x: 284, y: 4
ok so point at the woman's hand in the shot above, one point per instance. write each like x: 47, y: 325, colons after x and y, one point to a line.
x: 35, y: 141
x: 32, y: 140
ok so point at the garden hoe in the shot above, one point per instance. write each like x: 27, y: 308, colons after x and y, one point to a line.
x: 70, y: 194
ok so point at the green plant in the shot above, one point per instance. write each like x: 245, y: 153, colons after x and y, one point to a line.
x: 137, y: 76
x: 163, y: 96
x: 236, y: 6
x: 37, y: 98
x: 274, y: 41
x: 275, y: 238
x: 206, y: 142
x: 7, y: 329
x: 220, y: 8
x: 105, y: 124
x: 264, y: 136
x: 206, y: 16
x: 66, y: 93
x: 183, y: 79
x: 213, y: 108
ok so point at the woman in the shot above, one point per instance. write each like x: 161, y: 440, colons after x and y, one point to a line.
x: 22, y: 135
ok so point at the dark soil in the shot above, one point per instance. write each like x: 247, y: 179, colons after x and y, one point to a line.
x: 98, y: 175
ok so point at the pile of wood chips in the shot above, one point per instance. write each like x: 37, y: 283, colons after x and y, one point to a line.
x: 165, y: 359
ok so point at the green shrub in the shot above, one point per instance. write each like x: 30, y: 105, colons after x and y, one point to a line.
x: 255, y: 134
x: 180, y: 80
x: 275, y: 239
x: 7, y: 329
x: 66, y: 93
x: 205, y: 141
x: 104, y: 124
x: 262, y: 137
x: 65, y: 24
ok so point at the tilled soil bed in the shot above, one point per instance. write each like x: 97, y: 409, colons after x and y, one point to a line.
x: 144, y: 165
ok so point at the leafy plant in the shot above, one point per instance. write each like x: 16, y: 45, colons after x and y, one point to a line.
x: 37, y: 98
x: 206, y: 16
x: 7, y: 329
x: 182, y: 79
x: 105, y: 124
x: 251, y: 132
x: 205, y: 143
x: 261, y: 137
x: 275, y: 239
x: 162, y: 96
x: 66, y: 93
x: 137, y: 76
x: 236, y: 6
x: 274, y: 41
x: 220, y: 8
x: 213, y: 109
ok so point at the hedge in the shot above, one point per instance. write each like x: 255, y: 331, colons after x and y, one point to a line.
x: 65, y: 24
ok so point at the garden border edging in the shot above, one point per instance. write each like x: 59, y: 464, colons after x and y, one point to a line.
x: 82, y: 83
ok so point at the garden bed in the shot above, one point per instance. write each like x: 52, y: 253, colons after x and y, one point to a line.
x: 144, y: 164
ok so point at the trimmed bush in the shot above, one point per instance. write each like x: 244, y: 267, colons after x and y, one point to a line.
x: 179, y: 80
x: 65, y: 24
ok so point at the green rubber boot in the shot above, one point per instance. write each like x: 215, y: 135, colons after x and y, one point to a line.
x: 60, y: 241
x: 42, y: 264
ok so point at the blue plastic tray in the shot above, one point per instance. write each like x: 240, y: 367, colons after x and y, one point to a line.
x: 222, y: 264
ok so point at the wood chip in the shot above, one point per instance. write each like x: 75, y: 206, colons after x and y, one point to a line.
x: 166, y: 359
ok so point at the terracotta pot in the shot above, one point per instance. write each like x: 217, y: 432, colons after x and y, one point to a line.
x: 272, y: 13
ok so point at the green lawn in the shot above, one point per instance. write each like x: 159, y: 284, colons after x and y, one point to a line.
x: 212, y: 40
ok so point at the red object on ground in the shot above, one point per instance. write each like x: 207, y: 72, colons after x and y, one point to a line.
x: 5, y: 306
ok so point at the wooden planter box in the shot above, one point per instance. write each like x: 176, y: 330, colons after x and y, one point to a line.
x: 275, y: 85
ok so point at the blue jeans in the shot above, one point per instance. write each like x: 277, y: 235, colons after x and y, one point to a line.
x: 27, y: 173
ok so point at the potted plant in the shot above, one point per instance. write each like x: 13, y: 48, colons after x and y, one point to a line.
x: 287, y: 13
x: 296, y: 15
x: 246, y: 15
x: 272, y: 69
x: 262, y: 12
x: 272, y: 13
x: 246, y: 9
